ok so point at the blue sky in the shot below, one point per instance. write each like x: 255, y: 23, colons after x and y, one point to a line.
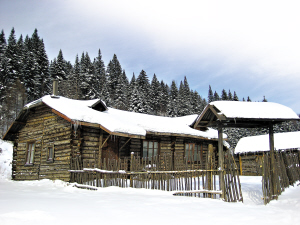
x: 250, y: 46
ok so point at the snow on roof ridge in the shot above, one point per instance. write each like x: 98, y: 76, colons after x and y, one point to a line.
x: 260, y: 110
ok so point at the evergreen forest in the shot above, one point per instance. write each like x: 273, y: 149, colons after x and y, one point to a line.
x: 26, y: 74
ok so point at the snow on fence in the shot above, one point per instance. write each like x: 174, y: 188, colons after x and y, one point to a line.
x: 185, y: 179
x: 285, y: 172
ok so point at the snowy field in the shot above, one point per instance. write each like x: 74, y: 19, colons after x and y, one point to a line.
x: 56, y: 202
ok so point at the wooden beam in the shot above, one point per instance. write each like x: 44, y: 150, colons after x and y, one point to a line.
x: 105, y: 141
x: 61, y: 115
x: 124, y: 144
x: 221, y: 159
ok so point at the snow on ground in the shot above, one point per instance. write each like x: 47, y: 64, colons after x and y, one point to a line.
x: 56, y: 202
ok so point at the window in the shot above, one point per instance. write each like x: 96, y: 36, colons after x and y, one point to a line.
x: 150, y: 149
x: 50, y: 154
x: 30, y: 153
x: 193, y: 152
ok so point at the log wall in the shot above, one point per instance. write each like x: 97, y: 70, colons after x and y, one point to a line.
x: 45, y: 129
x: 250, y: 164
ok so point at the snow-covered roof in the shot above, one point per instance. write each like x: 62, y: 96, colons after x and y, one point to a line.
x: 123, y: 122
x: 258, y: 110
x: 289, y: 140
x: 244, y: 114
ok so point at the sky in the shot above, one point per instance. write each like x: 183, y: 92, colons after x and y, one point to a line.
x: 249, y: 46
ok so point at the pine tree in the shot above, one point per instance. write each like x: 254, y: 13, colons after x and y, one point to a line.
x: 224, y: 95
x: 100, y: 76
x: 164, y: 99
x: 216, y: 96
x: 230, y: 97
x: 155, y: 95
x: 136, y: 103
x: 114, y: 71
x: 248, y: 99
x: 2, y: 45
x: 86, y: 77
x: 11, y: 55
x: 3, y: 65
x: 184, y: 98
x: 143, y: 85
x: 210, y: 95
x: 172, y: 110
x: 235, y: 97
x: 121, y: 93
x: 43, y: 79
x: 60, y: 67
x: 132, y: 84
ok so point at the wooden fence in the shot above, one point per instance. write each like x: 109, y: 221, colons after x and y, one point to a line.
x: 184, y: 177
x: 285, y: 172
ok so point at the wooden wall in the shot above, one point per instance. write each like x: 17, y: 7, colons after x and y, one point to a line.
x: 249, y: 164
x: 46, y: 129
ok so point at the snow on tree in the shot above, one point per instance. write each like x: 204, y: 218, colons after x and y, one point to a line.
x: 155, y: 95
x: 172, y: 109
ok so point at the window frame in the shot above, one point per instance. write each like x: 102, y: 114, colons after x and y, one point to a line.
x: 50, y: 150
x: 189, y: 152
x: 148, y: 146
x: 30, y: 152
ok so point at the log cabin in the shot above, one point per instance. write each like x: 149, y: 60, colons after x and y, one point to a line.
x: 250, y: 150
x: 53, y: 130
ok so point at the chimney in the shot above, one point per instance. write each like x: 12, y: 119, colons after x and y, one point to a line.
x: 55, y: 87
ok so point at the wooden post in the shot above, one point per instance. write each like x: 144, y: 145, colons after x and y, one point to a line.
x: 100, y: 149
x: 210, y: 167
x: 131, y: 168
x: 272, y: 155
x: 221, y: 159
x: 241, y: 165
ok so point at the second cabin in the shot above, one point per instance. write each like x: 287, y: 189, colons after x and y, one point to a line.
x: 51, y: 132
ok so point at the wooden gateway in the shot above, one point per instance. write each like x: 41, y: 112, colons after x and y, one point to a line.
x: 51, y: 132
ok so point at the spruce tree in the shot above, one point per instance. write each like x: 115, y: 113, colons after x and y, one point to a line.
x: 216, y: 96
x: 11, y: 55
x: 155, y: 95
x: 210, y: 95
x: 235, y: 97
x: 230, y: 97
x: 143, y: 86
x: 164, y: 99
x: 121, y: 93
x: 224, y: 95
x: 172, y: 110
x: 2, y: 45
x: 100, y: 76
x: 114, y: 71
x: 60, y: 67
x: 3, y: 65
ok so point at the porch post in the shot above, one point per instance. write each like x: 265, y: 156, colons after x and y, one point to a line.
x: 221, y: 159
x: 272, y: 155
